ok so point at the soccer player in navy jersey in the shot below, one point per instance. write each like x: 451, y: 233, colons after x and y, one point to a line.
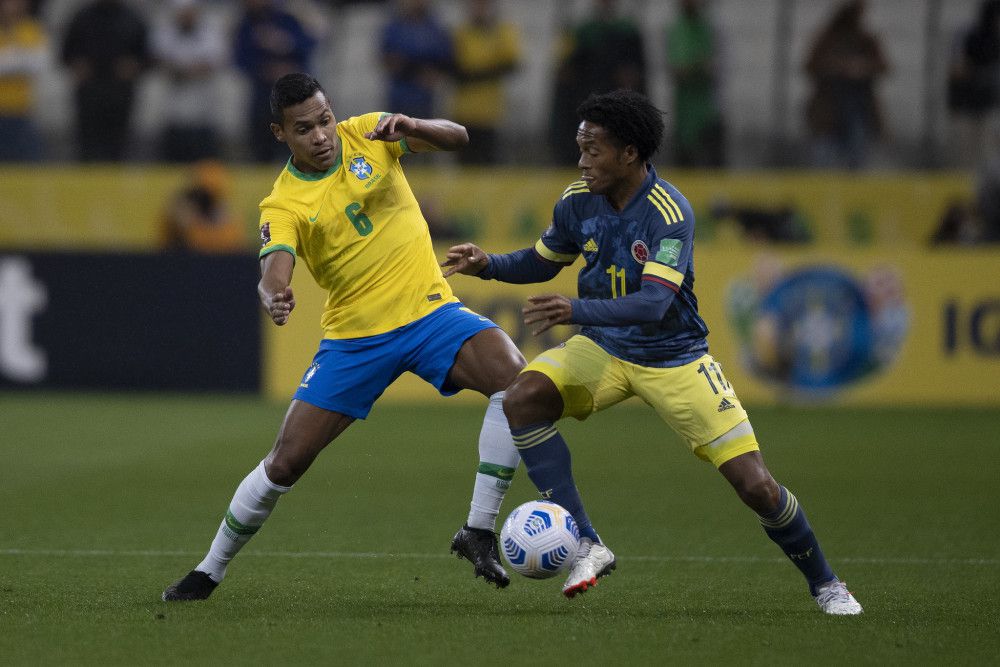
x: 641, y: 335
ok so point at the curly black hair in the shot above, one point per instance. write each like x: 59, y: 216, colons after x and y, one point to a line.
x: 629, y: 117
x: 290, y: 90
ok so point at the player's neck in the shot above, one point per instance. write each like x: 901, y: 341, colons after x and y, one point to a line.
x: 620, y: 196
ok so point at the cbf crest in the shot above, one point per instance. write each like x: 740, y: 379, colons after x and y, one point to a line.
x: 361, y: 168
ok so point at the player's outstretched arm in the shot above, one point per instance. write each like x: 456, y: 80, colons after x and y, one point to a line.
x: 421, y: 135
x: 521, y: 266
x: 274, y: 289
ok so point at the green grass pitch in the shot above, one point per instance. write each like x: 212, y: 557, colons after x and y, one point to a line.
x: 104, y: 500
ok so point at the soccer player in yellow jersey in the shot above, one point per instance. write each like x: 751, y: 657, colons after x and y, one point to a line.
x: 342, y: 207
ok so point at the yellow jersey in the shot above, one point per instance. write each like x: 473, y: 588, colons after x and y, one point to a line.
x: 25, y: 38
x: 481, y: 103
x: 359, y: 231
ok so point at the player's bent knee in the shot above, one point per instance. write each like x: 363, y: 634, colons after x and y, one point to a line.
x: 759, y: 494
x: 284, y: 470
x: 279, y: 473
x: 531, y: 399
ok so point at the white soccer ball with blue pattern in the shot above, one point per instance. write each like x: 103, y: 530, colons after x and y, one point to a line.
x: 539, y: 539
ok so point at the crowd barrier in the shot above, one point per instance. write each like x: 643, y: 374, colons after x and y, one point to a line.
x: 870, y: 328
x: 121, y: 207
x: 129, y: 321
x: 864, y: 312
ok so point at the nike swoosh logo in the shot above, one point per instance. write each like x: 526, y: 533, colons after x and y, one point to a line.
x: 312, y: 218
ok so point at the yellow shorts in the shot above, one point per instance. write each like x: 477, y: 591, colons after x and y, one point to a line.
x: 695, y: 400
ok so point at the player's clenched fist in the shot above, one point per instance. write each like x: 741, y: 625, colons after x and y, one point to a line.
x: 466, y: 258
x: 280, y: 305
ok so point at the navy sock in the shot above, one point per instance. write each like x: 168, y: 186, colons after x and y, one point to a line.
x: 547, y: 460
x: 788, y: 528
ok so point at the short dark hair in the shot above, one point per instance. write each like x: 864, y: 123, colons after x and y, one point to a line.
x: 290, y: 90
x: 629, y: 117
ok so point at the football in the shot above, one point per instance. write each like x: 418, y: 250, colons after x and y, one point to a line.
x: 539, y: 539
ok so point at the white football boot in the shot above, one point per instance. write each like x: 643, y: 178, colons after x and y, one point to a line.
x: 593, y: 561
x: 834, y: 598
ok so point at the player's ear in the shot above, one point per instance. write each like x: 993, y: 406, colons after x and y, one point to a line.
x: 278, y: 132
x: 631, y: 154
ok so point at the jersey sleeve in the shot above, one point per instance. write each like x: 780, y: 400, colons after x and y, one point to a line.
x: 672, y: 245
x: 521, y: 266
x: 649, y: 304
x: 556, y: 245
x: 278, y: 230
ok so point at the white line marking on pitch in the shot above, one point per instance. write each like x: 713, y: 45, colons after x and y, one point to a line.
x: 362, y: 555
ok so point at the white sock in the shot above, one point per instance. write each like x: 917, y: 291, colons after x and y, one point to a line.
x: 252, y: 503
x: 498, y: 459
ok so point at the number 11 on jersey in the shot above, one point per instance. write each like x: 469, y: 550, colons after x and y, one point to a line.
x: 617, y: 281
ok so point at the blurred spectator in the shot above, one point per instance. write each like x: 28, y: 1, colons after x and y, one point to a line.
x: 988, y: 199
x: 189, y: 47
x: 691, y: 53
x: 843, y: 113
x: 605, y: 52
x: 106, y: 51
x: 974, y: 222
x: 961, y: 225
x: 781, y: 224
x: 486, y: 51
x: 199, y: 218
x: 416, y: 52
x: 22, y: 56
x: 567, y: 94
x: 609, y: 50
x: 974, y: 88
x: 270, y: 42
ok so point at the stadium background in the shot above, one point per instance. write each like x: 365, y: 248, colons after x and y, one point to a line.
x: 870, y: 224
x: 93, y: 310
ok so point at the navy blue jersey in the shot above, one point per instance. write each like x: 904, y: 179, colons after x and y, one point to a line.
x: 651, y: 239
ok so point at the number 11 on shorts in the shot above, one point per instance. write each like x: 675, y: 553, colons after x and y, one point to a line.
x: 716, y: 370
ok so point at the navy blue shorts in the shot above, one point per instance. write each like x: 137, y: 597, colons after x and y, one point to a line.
x: 348, y: 375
